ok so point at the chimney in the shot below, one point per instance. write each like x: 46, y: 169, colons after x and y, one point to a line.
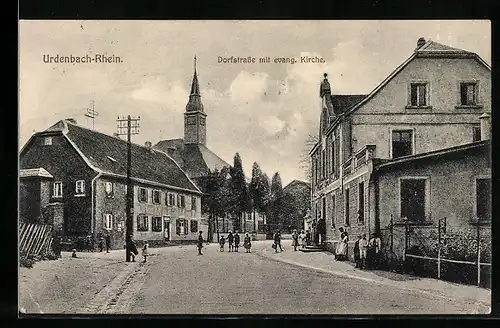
x: 420, y: 42
x: 71, y: 120
x: 485, y: 126
x: 148, y: 144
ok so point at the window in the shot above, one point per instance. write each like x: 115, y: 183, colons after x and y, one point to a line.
x: 193, y: 203
x: 323, y: 163
x: 80, y: 187
x: 333, y: 211
x: 476, y: 133
x: 156, y: 224
x: 108, y: 221
x: 361, y: 203
x: 194, y: 226
x: 181, y: 201
x: 171, y: 199
x: 483, y: 199
x: 156, y: 198
x: 418, y: 94
x: 347, y: 207
x: 142, y: 223
x: 108, y: 188
x: 402, y: 143
x: 413, y: 199
x: 57, y: 189
x: 323, y: 213
x: 143, y: 195
x: 468, y: 93
x: 180, y: 227
x: 47, y: 141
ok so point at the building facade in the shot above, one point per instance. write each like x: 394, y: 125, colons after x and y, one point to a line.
x: 75, y: 178
x: 431, y: 101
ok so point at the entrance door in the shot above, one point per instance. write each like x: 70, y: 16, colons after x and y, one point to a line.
x: 166, y: 228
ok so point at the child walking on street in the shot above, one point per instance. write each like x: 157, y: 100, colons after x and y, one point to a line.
x: 222, y: 241
x: 145, y: 251
x: 247, y: 243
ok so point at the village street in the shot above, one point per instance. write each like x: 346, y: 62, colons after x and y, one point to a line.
x: 176, y: 280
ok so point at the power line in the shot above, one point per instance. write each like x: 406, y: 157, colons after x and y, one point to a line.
x: 91, y: 113
x: 128, y: 126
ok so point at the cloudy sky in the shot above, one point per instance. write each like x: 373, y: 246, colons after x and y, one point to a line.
x: 262, y: 111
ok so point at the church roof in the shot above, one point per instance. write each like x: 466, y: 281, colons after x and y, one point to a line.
x: 195, y: 159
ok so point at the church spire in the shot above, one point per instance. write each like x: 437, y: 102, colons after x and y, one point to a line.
x: 194, y: 103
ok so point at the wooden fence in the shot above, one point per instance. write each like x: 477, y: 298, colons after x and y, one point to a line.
x: 34, y: 239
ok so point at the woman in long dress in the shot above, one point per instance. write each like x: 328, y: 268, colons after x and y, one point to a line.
x: 247, y: 243
x: 341, y: 252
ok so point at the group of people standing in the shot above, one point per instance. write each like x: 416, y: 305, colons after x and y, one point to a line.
x: 234, y: 242
x: 301, y: 239
x: 367, y: 253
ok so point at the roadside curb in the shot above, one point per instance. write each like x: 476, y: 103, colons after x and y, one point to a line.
x: 433, y: 293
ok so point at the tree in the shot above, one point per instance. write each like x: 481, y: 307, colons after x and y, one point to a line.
x: 214, y: 201
x: 240, y: 199
x: 256, y: 191
x: 305, y: 159
x: 276, y: 202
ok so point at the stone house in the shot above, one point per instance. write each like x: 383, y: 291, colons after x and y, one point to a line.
x: 75, y: 178
x: 432, y: 101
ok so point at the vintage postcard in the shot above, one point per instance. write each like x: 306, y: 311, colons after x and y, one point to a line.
x: 254, y: 167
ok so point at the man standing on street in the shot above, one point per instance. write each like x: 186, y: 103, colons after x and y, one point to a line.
x: 200, y: 243
x: 108, y: 243
x: 230, y: 239
x: 236, y: 241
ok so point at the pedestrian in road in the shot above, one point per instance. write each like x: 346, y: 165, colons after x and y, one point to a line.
x: 247, y: 243
x: 308, y: 238
x: 341, y: 251
x: 277, y: 242
x: 222, y: 241
x: 200, y: 242
x: 230, y: 240
x: 302, y: 239
x: 357, y: 252
x: 236, y: 241
x: 101, y: 244
x: 295, y: 239
x: 133, y: 248
x: 108, y: 242
x: 73, y: 254
x: 373, y: 255
x: 363, y: 247
x: 145, y: 251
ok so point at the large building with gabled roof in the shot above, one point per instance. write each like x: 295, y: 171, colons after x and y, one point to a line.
x: 75, y: 178
x: 436, y: 99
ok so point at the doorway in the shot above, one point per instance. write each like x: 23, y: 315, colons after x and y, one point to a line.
x: 166, y: 228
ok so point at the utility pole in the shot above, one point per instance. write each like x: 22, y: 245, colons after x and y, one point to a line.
x: 91, y: 113
x: 128, y: 126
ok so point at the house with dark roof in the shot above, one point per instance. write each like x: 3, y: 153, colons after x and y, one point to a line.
x: 432, y: 101
x: 75, y: 179
x: 196, y: 159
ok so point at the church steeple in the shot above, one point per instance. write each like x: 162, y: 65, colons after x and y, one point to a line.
x: 194, y: 104
x: 195, y: 131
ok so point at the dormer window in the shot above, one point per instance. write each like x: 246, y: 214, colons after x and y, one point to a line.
x: 47, y: 141
x: 57, y: 189
x: 80, y: 188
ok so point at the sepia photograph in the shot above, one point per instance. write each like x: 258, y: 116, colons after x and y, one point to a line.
x: 245, y: 167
